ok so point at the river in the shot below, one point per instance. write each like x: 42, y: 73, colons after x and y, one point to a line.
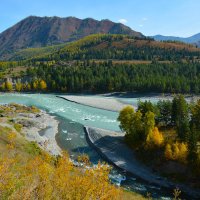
x: 71, y: 136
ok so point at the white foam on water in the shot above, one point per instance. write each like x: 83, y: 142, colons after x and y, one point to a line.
x: 140, y: 187
x: 117, y: 178
x: 165, y: 198
x: 109, y: 121
x: 154, y: 187
x: 60, y: 110
x: 68, y: 139
x: 76, y: 110
x: 64, y: 131
x: 73, y: 134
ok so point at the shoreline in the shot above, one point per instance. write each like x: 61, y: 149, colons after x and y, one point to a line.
x: 103, y: 103
x: 109, y: 94
x: 43, y: 132
x: 115, y: 102
x: 110, y: 145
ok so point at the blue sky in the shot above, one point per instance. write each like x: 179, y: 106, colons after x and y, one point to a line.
x: 166, y: 17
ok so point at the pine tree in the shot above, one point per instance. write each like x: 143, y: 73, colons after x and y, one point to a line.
x: 195, y: 117
x: 149, y: 122
x: 180, y: 117
x: 192, y: 145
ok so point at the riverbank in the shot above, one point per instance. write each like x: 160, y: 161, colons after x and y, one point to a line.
x: 43, y: 130
x: 115, y: 102
x: 105, y: 103
x: 33, y: 124
x: 112, y: 147
x: 28, y: 171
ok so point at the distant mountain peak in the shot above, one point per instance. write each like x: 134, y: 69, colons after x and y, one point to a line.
x: 35, y: 31
x: 194, y: 39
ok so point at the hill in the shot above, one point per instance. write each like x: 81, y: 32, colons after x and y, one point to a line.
x: 195, y: 39
x: 123, y: 47
x: 198, y: 43
x: 29, y: 53
x: 43, y: 31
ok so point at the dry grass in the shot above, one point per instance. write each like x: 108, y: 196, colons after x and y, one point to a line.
x: 132, y: 196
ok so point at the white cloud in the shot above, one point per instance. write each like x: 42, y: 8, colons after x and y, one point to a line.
x: 123, y: 21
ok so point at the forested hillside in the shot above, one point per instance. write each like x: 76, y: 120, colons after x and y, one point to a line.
x: 107, y: 77
x: 106, y: 63
x: 96, y: 77
x: 123, y: 47
x: 30, y: 53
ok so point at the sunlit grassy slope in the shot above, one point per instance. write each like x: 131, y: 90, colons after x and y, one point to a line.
x: 29, y: 172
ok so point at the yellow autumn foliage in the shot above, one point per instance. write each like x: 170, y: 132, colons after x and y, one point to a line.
x: 11, y: 140
x: 35, y: 84
x: 18, y: 86
x: 42, y: 85
x: 9, y: 86
x: 44, y: 178
x: 177, y: 151
x: 168, y: 152
x: 154, y: 138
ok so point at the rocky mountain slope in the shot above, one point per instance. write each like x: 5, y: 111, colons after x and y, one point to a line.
x: 43, y: 31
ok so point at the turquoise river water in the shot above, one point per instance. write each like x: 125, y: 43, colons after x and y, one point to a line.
x: 72, y: 117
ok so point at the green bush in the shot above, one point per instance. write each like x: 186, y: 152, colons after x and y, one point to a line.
x: 18, y: 127
x: 33, y: 149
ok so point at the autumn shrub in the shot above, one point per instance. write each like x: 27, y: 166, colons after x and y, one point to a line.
x: 40, y: 178
x: 177, y: 151
x: 168, y: 152
x: 84, y: 158
x: 154, y: 138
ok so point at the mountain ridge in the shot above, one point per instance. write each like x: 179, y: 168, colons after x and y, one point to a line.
x: 121, y: 47
x: 35, y: 31
x: 194, y: 39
